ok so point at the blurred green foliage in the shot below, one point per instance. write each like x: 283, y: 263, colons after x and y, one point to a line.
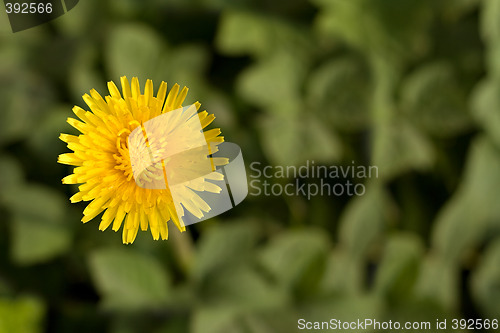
x: 410, y: 86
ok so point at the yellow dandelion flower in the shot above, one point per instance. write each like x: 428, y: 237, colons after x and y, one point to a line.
x: 104, y: 169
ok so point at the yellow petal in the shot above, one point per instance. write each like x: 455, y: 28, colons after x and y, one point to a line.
x: 120, y: 215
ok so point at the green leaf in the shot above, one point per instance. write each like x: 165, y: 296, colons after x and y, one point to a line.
x: 394, y: 29
x: 127, y: 8
x: 84, y: 75
x: 244, y: 32
x: 44, y: 140
x: 485, y: 101
x: 319, y: 142
x: 223, y: 246
x: 490, y: 30
x: 490, y: 21
x: 484, y: 282
x: 34, y: 242
x: 36, y: 201
x: 280, y: 138
x: 364, y: 220
x: 185, y: 65
x: 75, y: 23
x: 37, y: 224
x: 341, y: 19
x: 297, y: 259
x: 13, y: 53
x: 434, y: 101
x: 467, y: 217
x: 21, y: 315
x: 25, y: 98
x: 400, y: 265
x: 129, y: 280
x: 438, y: 282
x: 271, y: 83
x: 399, y: 147
x: 237, y: 299
x: 134, y: 50
x: 216, y: 320
x: 11, y: 173
x: 344, y: 274
x: 291, y: 140
x: 340, y: 90
x: 244, y: 288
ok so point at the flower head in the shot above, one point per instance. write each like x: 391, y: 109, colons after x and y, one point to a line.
x: 103, y: 165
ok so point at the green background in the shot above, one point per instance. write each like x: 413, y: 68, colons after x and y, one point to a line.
x: 409, y: 86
